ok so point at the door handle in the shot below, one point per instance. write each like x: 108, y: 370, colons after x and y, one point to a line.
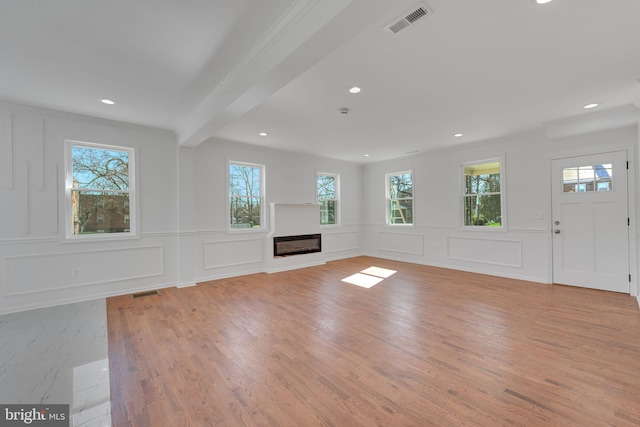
x: 556, y: 231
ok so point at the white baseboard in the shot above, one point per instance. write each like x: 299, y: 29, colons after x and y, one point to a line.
x: 296, y: 266
x: 186, y: 285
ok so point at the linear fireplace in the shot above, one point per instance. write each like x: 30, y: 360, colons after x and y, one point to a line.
x: 297, y: 245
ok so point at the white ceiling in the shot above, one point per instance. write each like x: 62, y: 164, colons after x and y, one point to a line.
x: 233, y: 68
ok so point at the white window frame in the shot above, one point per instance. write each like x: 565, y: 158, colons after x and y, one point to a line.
x: 263, y: 206
x: 336, y: 178
x: 503, y: 196
x: 387, y: 185
x: 68, y: 184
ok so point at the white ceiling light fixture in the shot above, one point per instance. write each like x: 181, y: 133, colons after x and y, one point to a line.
x: 543, y: 1
x: 367, y: 155
x: 457, y: 135
x: 592, y: 105
x: 107, y: 101
x: 263, y: 134
x: 355, y: 89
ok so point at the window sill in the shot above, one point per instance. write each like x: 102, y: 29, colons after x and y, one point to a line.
x: 100, y: 237
x: 246, y: 230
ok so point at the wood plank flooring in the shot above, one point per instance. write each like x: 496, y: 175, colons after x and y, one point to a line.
x: 426, y: 346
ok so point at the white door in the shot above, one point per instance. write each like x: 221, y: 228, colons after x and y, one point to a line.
x: 590, y: 221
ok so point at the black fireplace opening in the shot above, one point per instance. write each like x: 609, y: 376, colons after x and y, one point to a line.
x: 297, y: 245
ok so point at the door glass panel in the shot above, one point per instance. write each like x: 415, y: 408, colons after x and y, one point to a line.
x: 582, y: 179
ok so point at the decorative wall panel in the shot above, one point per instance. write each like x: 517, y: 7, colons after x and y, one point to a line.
x: 401, y: 242
x: 486, y: 251
x: 48, y: 272
x: 232, y: 252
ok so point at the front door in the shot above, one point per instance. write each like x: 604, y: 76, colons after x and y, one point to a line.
x: 590, y: 221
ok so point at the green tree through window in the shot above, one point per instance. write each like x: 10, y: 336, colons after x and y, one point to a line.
x: 327, y: 187
x: 483, y: 195
x: 99, y: 189
x: 246, y: 195
x: 400, y: 198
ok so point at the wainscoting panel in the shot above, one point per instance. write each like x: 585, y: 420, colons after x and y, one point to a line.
x: 6, y: 149
x: 401, y: 242
x: 340, y: 241
x: 486, y: 251
x: 228, y: 253
x: 47, y: 272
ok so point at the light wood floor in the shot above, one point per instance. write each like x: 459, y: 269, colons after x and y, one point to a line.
x: 426, y: 346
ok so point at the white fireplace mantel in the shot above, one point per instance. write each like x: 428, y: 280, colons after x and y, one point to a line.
x: 292, y: 219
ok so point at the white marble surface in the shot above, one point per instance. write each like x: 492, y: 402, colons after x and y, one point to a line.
x: 58, y: 355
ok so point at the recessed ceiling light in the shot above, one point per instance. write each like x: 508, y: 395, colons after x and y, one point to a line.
x: 355, y: 89
x: 543, y: 1
x: 592, y: 105
x: 367, y: 155
x: 263, y: 134
x: 457, y: 135
x: 107, y: 101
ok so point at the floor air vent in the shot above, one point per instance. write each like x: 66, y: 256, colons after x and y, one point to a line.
x: 413, y: 15
x: 144, y: 294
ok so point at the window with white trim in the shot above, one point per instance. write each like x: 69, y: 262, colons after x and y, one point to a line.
x: 328, y: 195
x: 99, y: 186
x: 483, y: 199
x: 246, y: 196
x: 399, y: 192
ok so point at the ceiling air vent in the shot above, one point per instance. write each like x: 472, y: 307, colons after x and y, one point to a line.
x: 413, y: 15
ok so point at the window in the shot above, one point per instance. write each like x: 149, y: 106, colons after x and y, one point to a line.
x: 246, y: 196
x: 582, y: 179
x: 99, y: 187
x: 483, y: 199
x: 328, y: 191
x: 400, y: 198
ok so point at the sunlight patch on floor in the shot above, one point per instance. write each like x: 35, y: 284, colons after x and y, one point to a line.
x: 369, y: 277
x: 363, y: 280
x: 378, y: 272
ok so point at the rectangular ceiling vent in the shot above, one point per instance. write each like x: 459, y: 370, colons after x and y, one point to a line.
x: 416, y: 13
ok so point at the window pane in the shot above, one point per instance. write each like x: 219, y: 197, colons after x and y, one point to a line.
x: 244, y: 181
x: 326, y: 187
x: 328, y: 212
x: 482, y: 210
x: 478, y: 184
x: 401, y: 186
x: 482, y: 206
x: 401, y: 211
x: 245, y: 212
x: 99, y: 212
x: 604, y: 177
x: 587, y: 178
x: 400, y: 198
x: 96, y: 168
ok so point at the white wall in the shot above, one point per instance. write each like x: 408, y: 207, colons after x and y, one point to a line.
x: 524, y: 249
x: 182, y: 192
x: 208, y: 250
x: 36, y: 261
